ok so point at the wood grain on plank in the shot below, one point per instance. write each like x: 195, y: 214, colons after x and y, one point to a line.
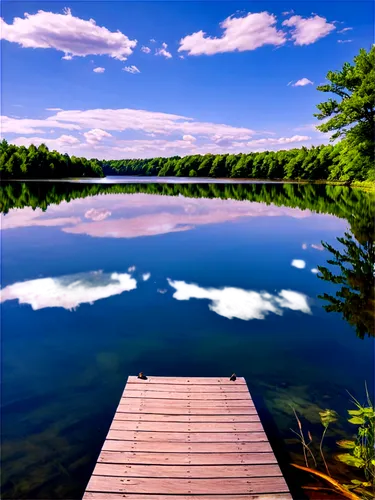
x: 180, y: 447
x: 124, y: 425
x: 186, y: 471
x: 150, y: 417
x: 91, y: 495
x: 191, y: 396
x: 188, y: 486
x: 183, y: 403
x: 186, y: 437
x: 160, y: 410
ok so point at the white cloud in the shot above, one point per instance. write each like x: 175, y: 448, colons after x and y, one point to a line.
x: 68, y: 291
x: 271, y: 141
x: 53, y: 109
x: 96, y: 135
x: 308, y: 30
x: 344, y: 30
x: 314, y: 270
x: 239, y: 34
x: 317, y: 247
x: 181, y: 57
x: 288, y: 12
x: 146, y: 276
x: 304, y: 246
x: 242, y: 304
x: 97, y: 215
x: 145, y: 49
x: 62, y: 143
x: 146, y: 121
x: 188, y: 138
x: 344, y: 41
x: 302, y: 82
x: 32, y: 126
x: 298, y: 263
x: 152, y: 40
x: 131, y: 69
x: 131, y: 269
x: 68, y: 34
x: 99, y: 70
x: 163, y: 51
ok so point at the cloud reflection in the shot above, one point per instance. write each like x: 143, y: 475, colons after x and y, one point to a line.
x: 135, y: 215
x: 298, y: 263
x: 242, y: 304
x: 68, y: 291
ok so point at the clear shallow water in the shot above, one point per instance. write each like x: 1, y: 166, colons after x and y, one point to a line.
x: 113, y: 283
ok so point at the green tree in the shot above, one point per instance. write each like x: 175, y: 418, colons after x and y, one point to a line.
x: 354, y: 86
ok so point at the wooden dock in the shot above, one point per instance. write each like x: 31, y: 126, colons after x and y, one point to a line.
x: 185, y: 438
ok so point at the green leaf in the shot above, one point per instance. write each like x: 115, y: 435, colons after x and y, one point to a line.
x: 357, y: 420
x: 327, y: 417
x: 345, y: 443
x: 355, y: 412
x: 356, y: 481
x: 348, y: 459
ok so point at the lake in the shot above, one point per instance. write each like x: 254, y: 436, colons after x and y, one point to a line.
x: 102, y: 281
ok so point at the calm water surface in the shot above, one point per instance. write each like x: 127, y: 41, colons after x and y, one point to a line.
x: 189, y: 281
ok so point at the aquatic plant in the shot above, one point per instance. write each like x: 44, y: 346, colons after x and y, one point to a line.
x: 360, y: 451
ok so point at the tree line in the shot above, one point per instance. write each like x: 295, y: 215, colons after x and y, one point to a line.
x: 41, y: 163
x: 349, y: 116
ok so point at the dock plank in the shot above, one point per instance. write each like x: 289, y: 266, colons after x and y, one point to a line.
x: 126, y: 425
x: 183, y: 438
x: 264, y: 456
x: 180, y: 418
x: 178, y: 447
x: 224, y: 389
x: 190, y: 396
x: 188, y: 381
x: 137, y: 402
x: 187, y: 437
x: 187, y: 471
x: 89, y: 495
x: 151, y: 486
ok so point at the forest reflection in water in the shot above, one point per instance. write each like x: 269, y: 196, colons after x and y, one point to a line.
x: 87, y: 301
x: 352, y: 261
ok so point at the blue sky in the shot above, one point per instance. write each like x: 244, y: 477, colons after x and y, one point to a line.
x: 172, y: 77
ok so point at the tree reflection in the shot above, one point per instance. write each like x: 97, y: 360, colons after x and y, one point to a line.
x: 355, y: 264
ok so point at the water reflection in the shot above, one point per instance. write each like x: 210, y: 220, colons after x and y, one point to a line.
x: 63, y: 373
x: 68, y: 292
x: 354, y: 263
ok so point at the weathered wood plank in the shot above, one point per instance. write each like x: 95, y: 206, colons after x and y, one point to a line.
x: 188, y: 380
x: 121, y: 425
x: 187, y: 471
x: 180, y: 447
x: 150, y: 417
x: 184, y: 458
x: 187, y: 486
x: 184, y: 403
x: 160, y: 410
x: 183, y: 396
x: 186, y: 437
x: 222, y: 389
x: 90, y: 495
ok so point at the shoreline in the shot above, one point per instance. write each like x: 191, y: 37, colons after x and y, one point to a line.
x: 132, y: 179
